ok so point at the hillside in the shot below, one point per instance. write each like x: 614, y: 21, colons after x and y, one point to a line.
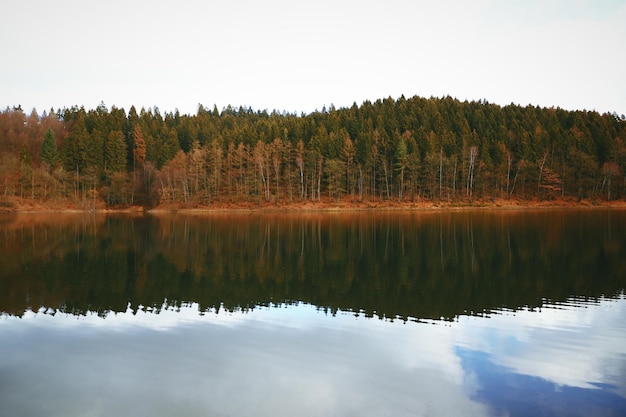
x: 407, y: 152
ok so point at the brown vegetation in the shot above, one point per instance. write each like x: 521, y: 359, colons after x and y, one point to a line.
x: 405, y: 153
x: 24, y: 205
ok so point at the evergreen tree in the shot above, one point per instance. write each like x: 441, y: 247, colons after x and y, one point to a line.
x: 74, y: 148
x: 449, y: 150
x: 115, y: 152
x: 49, y: 152
x: 94, y: 149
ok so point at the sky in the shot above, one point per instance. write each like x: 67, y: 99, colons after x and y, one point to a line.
x: 299, y: 56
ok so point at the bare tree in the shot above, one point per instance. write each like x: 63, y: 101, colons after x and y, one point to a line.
x: 471, y: 162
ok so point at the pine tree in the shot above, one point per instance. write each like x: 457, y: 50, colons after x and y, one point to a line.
x: 168, y: 149
x: 49, y: 152
x: 115, y: 152
x: 94, y: 149
x: 74, y: 148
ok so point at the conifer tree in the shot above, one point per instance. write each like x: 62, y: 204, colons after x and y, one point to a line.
x: 74, y: 148
x: 49, y: 152
x: 115, y: 152
x: 401, y: 159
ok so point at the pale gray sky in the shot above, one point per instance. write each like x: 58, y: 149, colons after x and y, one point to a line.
x: 301, y: 55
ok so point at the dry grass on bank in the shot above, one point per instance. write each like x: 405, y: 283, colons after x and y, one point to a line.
x: 16, y: 204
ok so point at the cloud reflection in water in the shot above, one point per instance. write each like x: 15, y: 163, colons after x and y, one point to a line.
x: 298, y: 360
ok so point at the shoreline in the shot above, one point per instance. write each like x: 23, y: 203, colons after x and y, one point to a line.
x: 24, y: 207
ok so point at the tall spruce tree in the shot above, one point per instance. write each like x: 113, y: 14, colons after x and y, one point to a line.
x: 49, y: 152
x: 74, y: 148
x: 115, y: 152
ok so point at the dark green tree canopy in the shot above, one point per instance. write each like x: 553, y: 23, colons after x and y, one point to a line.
x: 409, y: 149
x: 49, y: 152
x: 115, y: 152
x: 74, y: 149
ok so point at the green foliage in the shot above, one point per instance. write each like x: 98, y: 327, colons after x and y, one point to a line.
x: 94, y: 149
x: 378, y: 150
x: 74, y: 149
x: 25, y: 158
x: 115, y: 152
x: 169, y: 148
x: 49, y: 152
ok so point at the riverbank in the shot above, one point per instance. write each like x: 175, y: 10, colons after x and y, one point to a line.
x: 17, y: 205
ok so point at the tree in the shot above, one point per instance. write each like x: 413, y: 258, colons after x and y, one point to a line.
x: 542, y: 165
x: 300, y: 158
x: 139, y: 149
x: 348, y: 153
x: 94, y: 149
x: 583, y: 167
x: 620, y: 157
x: 609, y: 169
x: 138, y: 154
x: 552, y: 183
x: 471, y: 162
x: 242, y: 167
x: 381, y: 138
x: 173, y: 179
x: 27, y: 177
x: 215, y: 157
x: 401, y: 161
x: 120, y: 190
x: 508, y: 164
x: 261, y: 161
x: 168, y: 148
x: 335, y: 171
x: 49, y: 152
x: 197, y: 167
x: 413, y: 165
x: 115, y: 152
x: 230, y: 169
x: 438, y: 150
x: 74, y: 148
x: 276, y: 149
x: 432, y: 168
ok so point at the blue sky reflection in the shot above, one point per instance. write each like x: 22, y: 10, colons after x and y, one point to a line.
x: 298, y: 360
x: 516, y: 395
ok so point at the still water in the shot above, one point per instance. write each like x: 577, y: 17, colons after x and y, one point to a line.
x: 335, y: 314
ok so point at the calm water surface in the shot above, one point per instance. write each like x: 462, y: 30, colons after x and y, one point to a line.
x: 394, y: 314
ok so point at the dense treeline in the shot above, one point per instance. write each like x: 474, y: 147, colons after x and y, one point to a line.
x: 439, y: 149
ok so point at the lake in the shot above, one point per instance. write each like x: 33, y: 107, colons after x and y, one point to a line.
x: 468, y: 313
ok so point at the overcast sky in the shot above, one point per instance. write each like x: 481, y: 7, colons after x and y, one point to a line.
x: 299, y: 56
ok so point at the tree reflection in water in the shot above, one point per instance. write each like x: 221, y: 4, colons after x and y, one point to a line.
x: 419, y: 265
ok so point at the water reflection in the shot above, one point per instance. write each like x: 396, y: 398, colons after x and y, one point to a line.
x: 285, y: 360
x: 414, y: 266
x: 566, y: 359
x: 519, y: 314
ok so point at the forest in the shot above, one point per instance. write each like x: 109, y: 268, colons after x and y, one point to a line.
x: 392, y: 150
